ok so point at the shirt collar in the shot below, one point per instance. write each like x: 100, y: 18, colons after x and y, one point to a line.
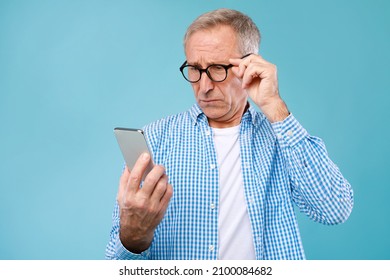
x: 196, y: 113
x: 251, y: 115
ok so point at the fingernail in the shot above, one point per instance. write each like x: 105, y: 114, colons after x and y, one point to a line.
x: 145, y: 156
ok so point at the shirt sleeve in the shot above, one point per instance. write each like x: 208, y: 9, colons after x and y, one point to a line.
x: 318, y: 187
x: 115, y: 249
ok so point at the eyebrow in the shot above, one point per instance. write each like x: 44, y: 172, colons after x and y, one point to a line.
x: 197, y: 64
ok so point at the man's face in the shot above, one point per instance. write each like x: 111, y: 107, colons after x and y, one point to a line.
x: 222, y: 102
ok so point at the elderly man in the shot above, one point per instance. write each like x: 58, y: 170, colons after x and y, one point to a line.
x: 226, y: 176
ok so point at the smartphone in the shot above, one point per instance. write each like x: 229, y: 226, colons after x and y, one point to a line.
x: 132, y: 144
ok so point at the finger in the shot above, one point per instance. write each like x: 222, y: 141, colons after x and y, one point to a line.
x: 123, y: 183
x: 254, y: 58
x: 245, y: 62
x: 258, y: 70
x: 167, y: 195
x: 160, y: 188
x: 158, y: 194
x: 236, y: 72
x: 163, y: 204
x: 242, y: 64
x: 138, y: 170
x: 237, y: 61
x: 239, y: 66
x: 152, y: 179
x: 252, y: 72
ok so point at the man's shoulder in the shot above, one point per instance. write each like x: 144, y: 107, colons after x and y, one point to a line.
x: 171, y: 123
x: 171, y: 120
x: 164, y: 130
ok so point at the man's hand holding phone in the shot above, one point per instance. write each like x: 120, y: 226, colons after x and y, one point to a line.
x: 142, y: 208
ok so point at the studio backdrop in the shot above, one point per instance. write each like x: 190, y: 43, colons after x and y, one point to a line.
x: 71, y: 71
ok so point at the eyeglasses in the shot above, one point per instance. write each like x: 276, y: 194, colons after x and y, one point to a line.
x: 216, y: 72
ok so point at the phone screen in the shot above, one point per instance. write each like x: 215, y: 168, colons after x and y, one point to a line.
x: 132, y: 144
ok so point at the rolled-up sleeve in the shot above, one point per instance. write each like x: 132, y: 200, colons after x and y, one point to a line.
x: 318, y: 187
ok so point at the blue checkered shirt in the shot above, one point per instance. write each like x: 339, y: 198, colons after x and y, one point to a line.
x: 282, y: 165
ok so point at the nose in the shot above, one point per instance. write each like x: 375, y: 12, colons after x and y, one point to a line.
x: 205, y: 84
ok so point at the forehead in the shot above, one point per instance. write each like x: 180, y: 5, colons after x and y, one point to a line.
x: 213, y: 45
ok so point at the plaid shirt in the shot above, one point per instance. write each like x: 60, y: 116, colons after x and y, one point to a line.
x: 281, y: 165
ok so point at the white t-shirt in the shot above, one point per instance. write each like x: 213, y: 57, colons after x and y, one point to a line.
x: 235, y: 234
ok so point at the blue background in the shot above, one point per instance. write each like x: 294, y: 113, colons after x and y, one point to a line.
x: 70, y: 71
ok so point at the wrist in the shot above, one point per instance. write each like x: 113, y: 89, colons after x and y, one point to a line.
x: 275, y: 111
x: 133, y: 244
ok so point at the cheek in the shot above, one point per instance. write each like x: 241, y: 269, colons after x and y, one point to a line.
x: 195, y: 88
x: 237, y: 85
x: 234, y: 91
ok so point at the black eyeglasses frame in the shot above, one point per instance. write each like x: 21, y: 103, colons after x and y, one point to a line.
x: 206, y: 70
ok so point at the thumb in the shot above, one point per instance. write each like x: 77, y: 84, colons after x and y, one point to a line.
x: 236, y: 72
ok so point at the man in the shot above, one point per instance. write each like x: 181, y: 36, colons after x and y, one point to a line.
x: 226, y: 177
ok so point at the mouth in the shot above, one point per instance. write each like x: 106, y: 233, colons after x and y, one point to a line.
x: 209, y: 101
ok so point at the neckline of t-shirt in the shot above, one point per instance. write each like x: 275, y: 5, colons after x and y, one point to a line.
x: 227, y: 130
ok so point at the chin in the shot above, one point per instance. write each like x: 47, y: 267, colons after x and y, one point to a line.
x: 213, y: 114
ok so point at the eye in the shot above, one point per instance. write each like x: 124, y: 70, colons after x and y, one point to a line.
x: 192, y: 69
x: 217, y: 69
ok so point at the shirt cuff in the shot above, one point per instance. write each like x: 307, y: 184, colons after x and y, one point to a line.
x: 289, y: 132
x: 123, y: 254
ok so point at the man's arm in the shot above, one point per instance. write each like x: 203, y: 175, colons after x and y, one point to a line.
x: 318, y: 187
x: 140, y: 209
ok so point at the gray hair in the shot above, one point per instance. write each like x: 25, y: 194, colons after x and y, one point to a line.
x: 248, y: 35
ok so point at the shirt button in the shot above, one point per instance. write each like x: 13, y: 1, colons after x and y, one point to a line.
x: 212, y: 206
x: 207, y: 132
x: 212, y: 166
x: 211, y: 248
x: 279, y: 136
x: 290, y: 133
